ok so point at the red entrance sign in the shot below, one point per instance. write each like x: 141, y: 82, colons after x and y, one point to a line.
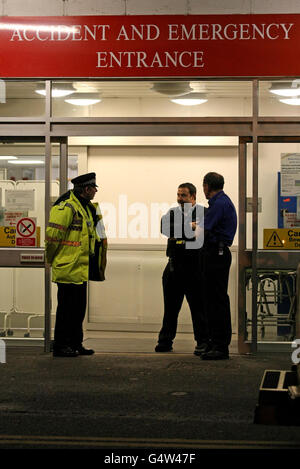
x: 150, y: 46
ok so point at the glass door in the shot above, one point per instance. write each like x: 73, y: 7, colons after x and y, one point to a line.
x: 268, y: 243
x: 25, y: 202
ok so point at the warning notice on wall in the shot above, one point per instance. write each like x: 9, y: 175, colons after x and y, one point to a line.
x: 26, y: 232
x: 281, y: 238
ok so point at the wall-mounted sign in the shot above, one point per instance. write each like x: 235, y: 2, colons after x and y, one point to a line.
x: 26, y: 232
x: 16, y: 200
x: 150, y: 46
x: 281, y: 238
x: 290, y: 174
x: 32, y: 258
x: 249, y: 204
x: 8, y: 237
x: 10, y: 218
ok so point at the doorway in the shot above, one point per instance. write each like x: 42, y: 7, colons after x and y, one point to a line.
x: 137, y: 185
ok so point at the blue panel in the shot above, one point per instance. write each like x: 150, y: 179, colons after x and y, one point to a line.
x: 288, y: 203
x: 285, y: 203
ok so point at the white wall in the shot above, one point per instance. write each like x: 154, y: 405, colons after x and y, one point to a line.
x: 133, y: 107
x: 151, y: 175
x: 131, y: 298
x: 155, y: 106
x: 148, y: 175
x: 144, y: 7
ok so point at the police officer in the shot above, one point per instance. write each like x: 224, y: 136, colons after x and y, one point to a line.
x: 220, y: 225
x: 182, y: 276
x: 71, y: 238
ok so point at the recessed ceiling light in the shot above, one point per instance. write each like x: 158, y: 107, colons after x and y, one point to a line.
x: 21, y: 162
x: 57, y: 91
x: 8, y: 158
x: 285, y: 89
x: 83, y: 99
x: 172, y: 89
x: 291, y: 101
x: 191, y: 99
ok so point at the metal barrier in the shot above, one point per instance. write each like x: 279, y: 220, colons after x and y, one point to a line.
x: 297, y: 315
x: 274, y: 287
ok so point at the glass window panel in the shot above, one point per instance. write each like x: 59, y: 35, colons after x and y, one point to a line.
x: 275, y: 305
x: 279, y: 98
x: 269, y: 167
x: 276, y: 288
x: 21, y: 311
x: 153, y: 99
x: 22, y: 168
x: 21, y: 98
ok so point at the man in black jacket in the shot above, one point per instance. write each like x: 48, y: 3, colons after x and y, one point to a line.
x: 183, y: 274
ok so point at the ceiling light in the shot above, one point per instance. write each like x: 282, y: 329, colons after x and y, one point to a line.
x: 191, y: 99
x: 57, y: 91
x: 8, y: 158
x: 285, y: 89
x: 83, y: 99
x: 21, y: 162
x: 291, y: 101
x: 169, y: 88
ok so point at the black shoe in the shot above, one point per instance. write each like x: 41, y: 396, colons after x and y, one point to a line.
x: 201, y: 348
x: 163, y: 348
x: 85, y: 351
x: 65, y: 352
x: 215, y: 355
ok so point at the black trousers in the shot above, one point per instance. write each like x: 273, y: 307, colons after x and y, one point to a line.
x: 71, y: 306
x: 216, y: 274
x: 183, y: 278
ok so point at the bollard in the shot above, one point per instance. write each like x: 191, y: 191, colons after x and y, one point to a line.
x: 2, y: 351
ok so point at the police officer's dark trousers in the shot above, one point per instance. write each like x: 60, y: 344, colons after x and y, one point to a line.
x: 216, y: 275
x: 182, y: 277
x: 71, y: 306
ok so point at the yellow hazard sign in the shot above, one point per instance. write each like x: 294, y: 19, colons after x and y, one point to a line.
x: 281, y: 238
x: 8, y: 236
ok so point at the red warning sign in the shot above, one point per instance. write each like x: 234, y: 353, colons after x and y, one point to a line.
x: 26, y: 232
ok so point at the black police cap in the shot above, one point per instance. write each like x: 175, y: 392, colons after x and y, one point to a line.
x: 88, y: 179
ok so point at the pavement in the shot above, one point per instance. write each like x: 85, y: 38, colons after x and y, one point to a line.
x: 121, y: 402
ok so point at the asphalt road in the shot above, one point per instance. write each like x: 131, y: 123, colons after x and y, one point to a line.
x: 135, y: 401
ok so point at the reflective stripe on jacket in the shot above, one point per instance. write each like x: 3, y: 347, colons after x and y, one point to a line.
x: 70, y: 240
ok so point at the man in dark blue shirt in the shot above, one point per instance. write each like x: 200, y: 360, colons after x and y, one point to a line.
x: 220, y: 225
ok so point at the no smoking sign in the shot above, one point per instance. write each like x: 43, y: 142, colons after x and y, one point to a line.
x: 26, y: 232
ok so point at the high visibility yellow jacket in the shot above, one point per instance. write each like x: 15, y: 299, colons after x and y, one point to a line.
x: 70, y: 240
